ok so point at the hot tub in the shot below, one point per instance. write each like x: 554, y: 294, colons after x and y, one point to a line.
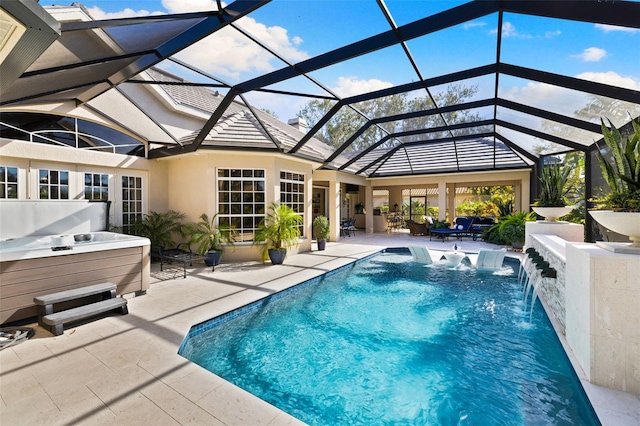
x: 39, y: 265
x: 65, y: 244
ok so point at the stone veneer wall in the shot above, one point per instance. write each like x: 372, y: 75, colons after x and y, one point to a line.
x: 552, y: 290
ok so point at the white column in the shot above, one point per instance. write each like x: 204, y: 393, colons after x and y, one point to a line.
x: 442, y: 200
x: 368, y: 207
x: 334, y: 210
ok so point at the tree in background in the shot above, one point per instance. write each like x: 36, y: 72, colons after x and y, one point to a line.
x: 347, y: 120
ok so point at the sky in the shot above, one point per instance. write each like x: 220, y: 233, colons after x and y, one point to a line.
x: 300, y: 29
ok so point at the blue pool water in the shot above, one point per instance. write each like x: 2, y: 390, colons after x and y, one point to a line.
x: 390, y: 341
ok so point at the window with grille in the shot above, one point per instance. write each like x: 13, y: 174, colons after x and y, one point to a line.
x: 8, y: 182
x: 53, y: 184
x: 292, y: 193
x: 241, y: 200
x: 131, y: 202
x: 96, y: 186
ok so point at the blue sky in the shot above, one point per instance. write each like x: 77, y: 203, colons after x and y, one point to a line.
x: 299, y: 29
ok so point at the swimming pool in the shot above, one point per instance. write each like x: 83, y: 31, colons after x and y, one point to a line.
x: 391, y: 341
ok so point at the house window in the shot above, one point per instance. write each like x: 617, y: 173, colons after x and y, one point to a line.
x: 96, y: 186
x: 241, y: 200
x: 292, y: 193
x: 131, y: 202
x: 8, y: 182
x: 54, y: 184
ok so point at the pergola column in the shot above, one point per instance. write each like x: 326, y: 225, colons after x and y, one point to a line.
x: 451, y: 201
x: 334, y: 210
x: 368, y: 207
x: 442, y: 200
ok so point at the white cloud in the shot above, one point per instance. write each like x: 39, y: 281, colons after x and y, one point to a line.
x: 350, y: 86
x: 171, y: 6
x: 469, y: 25
x: 608, y: 28
x: 98, y: 14
x: 509, y: 30
x: 591, y: 54
x: 184, y: 6
x: 563, y: 101
x: 226, y: 52
x: 229, y: 53
x: 552, y: 34
x: 611, y: 78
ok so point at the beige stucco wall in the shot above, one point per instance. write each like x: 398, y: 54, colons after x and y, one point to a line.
x: 29, y: 157
x: 192, y: 190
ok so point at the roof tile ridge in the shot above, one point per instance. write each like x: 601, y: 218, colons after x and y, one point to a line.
x: 225, y: 124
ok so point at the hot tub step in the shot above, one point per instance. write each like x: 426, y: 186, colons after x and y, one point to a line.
x: 87, y: 307
x: 75, y: 293
x: 55, y: 322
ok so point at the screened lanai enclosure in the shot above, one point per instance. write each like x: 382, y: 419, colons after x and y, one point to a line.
x: 385, y: 89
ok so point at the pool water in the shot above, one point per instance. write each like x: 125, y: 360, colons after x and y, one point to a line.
x: 391, y: 341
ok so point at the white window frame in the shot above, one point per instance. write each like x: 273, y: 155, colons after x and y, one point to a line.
x: 5, y: 182
x: 59, y: 185
x: 118, y: 205
x: 292, y: 197
x: 233, y: 211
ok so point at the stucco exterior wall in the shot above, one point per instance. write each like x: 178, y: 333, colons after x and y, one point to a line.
x: 192, y: 188
x: 30, y: 157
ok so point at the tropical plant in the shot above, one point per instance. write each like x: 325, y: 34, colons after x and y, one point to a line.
x: 279, y: 230
x: 359, y: 208
x: 160, y: 227
x: 553, y: 186
x: 512, y: 227
x: 623, y: 176
x: 321, y: 228
x: 505, y: 207
x: 437, y: 224
x: 209, y: 237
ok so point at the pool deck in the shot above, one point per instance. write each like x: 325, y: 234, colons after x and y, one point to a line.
x: 126, y: 369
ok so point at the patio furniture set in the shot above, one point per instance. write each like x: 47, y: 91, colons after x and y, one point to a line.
x: 471, y: 227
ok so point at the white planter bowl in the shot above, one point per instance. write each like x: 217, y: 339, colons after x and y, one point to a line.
x: 625, y: 223
x: 552, y: 213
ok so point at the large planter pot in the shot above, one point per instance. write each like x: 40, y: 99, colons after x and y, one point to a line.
x: 212, y: 258
x: 322, y: 244
x: 277, y: 256
x: 625, y: 223
x: 518, y: 245
x: 552, y: 214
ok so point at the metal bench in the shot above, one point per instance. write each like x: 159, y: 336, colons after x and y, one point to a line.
x: 54, y: 322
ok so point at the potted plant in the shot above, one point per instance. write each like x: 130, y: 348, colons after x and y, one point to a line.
x: 209, y: 238
x: 621, y: 206
x: 321, y: 231
x: 277, y: 232
x: 551, y: 203
x: 512, y: 228
x: 160, y: 228
x: 359, y: 208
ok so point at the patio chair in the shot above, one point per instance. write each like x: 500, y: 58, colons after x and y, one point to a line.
x: 416, y: 228
x: 461, y: 228
x: 347, y: 228
x: 421, y: 254
x: 488, y: 260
